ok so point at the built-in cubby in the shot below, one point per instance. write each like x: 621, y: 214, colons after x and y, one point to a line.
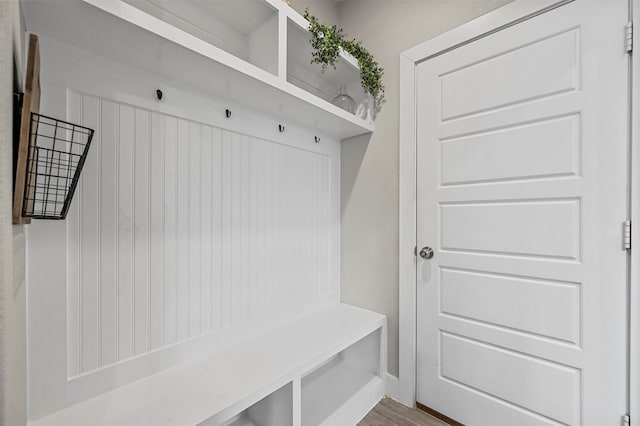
x: 247, y: 29
x: 276, y: 409
x: 333, y: 383
x: 310, y: 77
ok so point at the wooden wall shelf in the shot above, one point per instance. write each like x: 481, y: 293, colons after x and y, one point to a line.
x: 30, y: 103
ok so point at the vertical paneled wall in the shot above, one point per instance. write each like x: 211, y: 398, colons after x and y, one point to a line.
x: 179, y: 229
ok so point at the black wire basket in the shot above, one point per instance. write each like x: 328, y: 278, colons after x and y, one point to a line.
x: 57, y: 152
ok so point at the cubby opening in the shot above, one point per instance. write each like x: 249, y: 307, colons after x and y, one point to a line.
x: 276, y: 409
x: 309, y: 77
x: 247, y: 29
x: 331, y: 385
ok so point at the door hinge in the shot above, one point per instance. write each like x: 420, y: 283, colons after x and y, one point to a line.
x: 626, y: 420
x: 628, y: 39
x: 415, y: 251
x: 626, y: 235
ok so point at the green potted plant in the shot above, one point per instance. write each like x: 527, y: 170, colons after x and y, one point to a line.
x: 327, y: 42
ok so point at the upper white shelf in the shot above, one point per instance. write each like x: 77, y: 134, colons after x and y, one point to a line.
x: 252, y: 52
x: 247, y: 29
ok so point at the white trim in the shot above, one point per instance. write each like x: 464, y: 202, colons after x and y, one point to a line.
x: 392, y: 386
x: 634, y: 294
x: 407, y: 234
x: 409, y: 59
x: 505, y: 15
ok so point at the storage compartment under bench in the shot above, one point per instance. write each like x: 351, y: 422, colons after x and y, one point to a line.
x: 275, y: 409
x: 330, y: 385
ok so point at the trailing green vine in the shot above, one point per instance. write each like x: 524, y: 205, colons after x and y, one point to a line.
x: 326, y: 42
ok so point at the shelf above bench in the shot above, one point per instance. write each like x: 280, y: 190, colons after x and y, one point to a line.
x: 314, y: 355
x: 247, y: 62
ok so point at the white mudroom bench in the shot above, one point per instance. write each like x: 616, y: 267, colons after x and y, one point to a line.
x: 233, y: 87
x: 326, y: 368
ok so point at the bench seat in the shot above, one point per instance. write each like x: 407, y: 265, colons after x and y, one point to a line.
x: 216, y: 388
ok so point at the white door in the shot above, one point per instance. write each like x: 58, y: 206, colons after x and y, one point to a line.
x: 521, y: 169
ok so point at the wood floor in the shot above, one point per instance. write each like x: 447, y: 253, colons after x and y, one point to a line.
x: 391, y: 413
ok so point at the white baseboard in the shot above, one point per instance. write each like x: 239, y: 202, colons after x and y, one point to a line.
x: 392, y: 386
x: 394, y: 391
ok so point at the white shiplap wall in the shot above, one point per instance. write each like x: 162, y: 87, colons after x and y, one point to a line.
x: 180, y: 228
x: 188, y: 231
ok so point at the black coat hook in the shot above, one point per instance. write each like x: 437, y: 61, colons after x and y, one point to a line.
x: 159, y: 94
x: 280, y: 128
x: 227, y: 113
x: 317, y: 139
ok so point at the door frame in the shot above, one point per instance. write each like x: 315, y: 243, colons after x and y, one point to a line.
x: 634, y: 198
x: 506, y: 16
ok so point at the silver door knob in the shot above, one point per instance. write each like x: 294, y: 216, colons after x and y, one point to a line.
x: 426, y: 253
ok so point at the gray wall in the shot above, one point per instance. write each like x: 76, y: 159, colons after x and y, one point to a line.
x: 13, y: 355
x: 325, y: 10
x: 370, y: 165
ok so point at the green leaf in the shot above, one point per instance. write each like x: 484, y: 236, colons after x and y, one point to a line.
x: 327, y: 41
